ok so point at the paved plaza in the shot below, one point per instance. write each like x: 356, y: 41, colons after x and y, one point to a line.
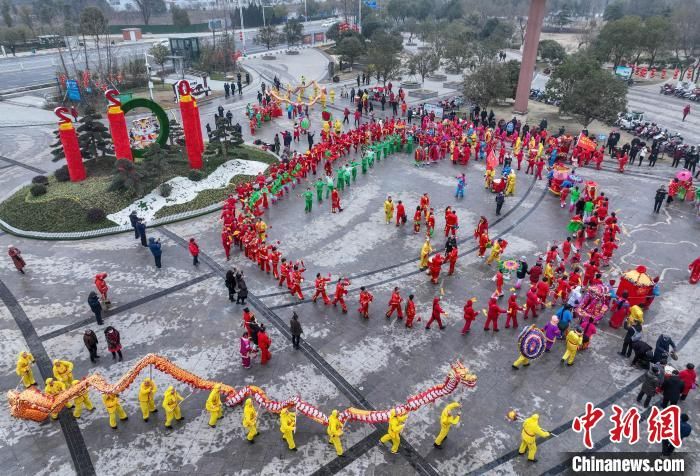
x: 182, y: 312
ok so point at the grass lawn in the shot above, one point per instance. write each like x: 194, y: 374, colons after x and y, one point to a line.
x: 64, y: 207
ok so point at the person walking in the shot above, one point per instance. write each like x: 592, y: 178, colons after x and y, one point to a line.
x: 634, y: 333
x: 194, y: 251
x: 659, y: 198
x: 95, y: 306
x: 114, y: 344
x: 686, y: 111
x: 689, y: 377
x: 16, y: 255
x: 141, y: 228
x: 500, y: 199
x: 230, y: 283
x: 652, y: 380
x: 156, y: 251
x: 90, y: 341
x: 264, y: 343
x: 296, y: 330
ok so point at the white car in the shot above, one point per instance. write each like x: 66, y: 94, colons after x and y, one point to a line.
x: 329, y: 23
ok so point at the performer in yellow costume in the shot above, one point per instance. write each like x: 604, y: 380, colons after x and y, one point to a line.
x: 531, y: 430
x: 447, y: 419
x: 335, y: 431
x: 261, y: 228
x: 573, y: 342
x: 213, y: 406
x: 114, y: 408
x: 54, y: 387
x: 388, y: 209
x: 147, y: 393
x: 495, y: 252
x: 24, y: 368
x: 82, y: 400
x: 517, y: 146
x: 171, y: 405
x: 250, y: 420
x: 396, y: 425
x: 510, y: 183
x: 63, y: 371
x: 338, y: 126
x: 488, y: 177
x: 288, y: 424
x: 425, y: 250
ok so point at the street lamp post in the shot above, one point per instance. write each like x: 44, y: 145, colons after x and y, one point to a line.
x: 240, y: 10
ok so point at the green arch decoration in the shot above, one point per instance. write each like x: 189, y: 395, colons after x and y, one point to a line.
x: 160, y: 114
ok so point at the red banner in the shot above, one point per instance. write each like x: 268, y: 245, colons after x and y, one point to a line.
x: 585, y: 143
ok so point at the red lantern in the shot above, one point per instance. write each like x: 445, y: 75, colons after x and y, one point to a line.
x: 71, y: 148
x: 638, y: 285
x: 117, y: 126
x: 676, y: 72
x: 190, y: 125
x: 689, y: 74
x: 663, y: 73
x: 653, y: 72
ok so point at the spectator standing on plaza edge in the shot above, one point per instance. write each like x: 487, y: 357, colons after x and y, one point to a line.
x: 141, y: 227
x: 156, y: 251
x: 194, y: 251
x: 114, y: 343
x: 134, y: 220
x: 296, y: 330
x: 90, y: 341
x: 242, y: 289
x: 95, y: 306
x: 17, y: 259
x: 230, y: 283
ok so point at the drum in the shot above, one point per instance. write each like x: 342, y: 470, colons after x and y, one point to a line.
x: 531, y: 342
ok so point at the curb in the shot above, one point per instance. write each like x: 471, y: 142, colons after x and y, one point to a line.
x: 114, y: 230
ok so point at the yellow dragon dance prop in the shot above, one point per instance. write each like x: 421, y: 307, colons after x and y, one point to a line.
x: 320, y: 93
x: 32, y: 404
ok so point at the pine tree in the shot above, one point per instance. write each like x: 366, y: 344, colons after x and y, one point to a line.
x: 57, y: 148
x: 93, y: 136
x: 177, y: 135
x: 226, y: 136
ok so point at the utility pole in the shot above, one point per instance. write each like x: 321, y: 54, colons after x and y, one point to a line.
x: 306, y: 14
x: 240, y: 10
x: 359, y: 16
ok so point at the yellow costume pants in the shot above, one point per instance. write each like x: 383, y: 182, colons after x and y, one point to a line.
x: 493, y: 256
x: 288, y: 436
x: 173, y: 414
x: 118, y: 410
x: 522, y: 360
x: 252, y: 432
x: 388, y: 216
x: 569, y: 356
x: 335, y: 441
x: 147, y: 407
x: 215, y: 415
x: 79, y: 403
x: 531, y: 447
x: 444, y: 430
x: 395, y: 441
x: 28, y: 378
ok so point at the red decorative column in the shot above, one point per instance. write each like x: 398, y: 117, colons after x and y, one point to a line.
x: 527, y: 67
x: 190, y: 125
x: 71, y: 148
x: 120, y: 135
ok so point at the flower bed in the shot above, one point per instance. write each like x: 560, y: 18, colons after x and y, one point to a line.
x: 64, y: 207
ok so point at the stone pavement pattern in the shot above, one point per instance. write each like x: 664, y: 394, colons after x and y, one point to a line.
x: 182, y: 312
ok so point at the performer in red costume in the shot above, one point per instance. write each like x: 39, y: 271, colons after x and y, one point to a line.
x: 694, y: 269
x: 335, y: 201
x: 437, y: 312
x: 410, y: 311
x: 483, y: 244
x: 395, y: 304
x: 226, y: 241
x: 513, y: 309
x: 340, y: 292
x: 469, y: 315
x: 274, y: 255
x: 542, y: 288
x: 365, y: 298
x: 492, y: 314
x: 416, y: 219
x: 451, y: 223
x: 452, y: 259
x: 297, y: 277
x: 284, y: 272
x: 435, y: 265
x: 531, y: 302
x: 400, y: 213
x: 320, y: 284
x: 481, y: 228
x: 498, y: 278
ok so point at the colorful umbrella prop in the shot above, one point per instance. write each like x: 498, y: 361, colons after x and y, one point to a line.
x: 531, y: 342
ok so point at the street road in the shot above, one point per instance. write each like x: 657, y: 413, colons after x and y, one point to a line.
x: 22, y: 71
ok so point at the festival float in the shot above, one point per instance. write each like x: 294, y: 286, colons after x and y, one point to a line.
x: 638, y: 285
x: 32, y: 404
x: 562, y: 176
x: 594, y: 303
x: 686, y: 189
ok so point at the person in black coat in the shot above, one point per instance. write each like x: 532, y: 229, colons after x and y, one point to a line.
x: 642, y: 353
x: 90, y: 341
x: 230, y: 283
x: 664, y: 347
x: 141, y: 227
x: 95, y: 305
x: 521, y: 272
x: 652, y: 379
x: 672, y: 389
x: 634, y: 333
x: 254, y: 329
x: 296, y: 330
x: 242, y: 289
x: 134, y: 220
